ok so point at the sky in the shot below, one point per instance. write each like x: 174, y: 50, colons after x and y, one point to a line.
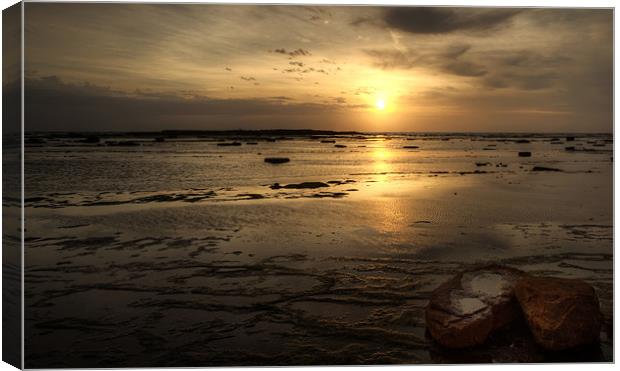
x: 134, y: 67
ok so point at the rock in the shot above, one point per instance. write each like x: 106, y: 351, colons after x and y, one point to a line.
x: 543, y: 168
x: 411, y: 147
x: 522, y: 141
x: 91, y: 139
x: 304, y: 185
x: 561, y: 313
x: 525, y: 154
x: 339, y: 182
x: 570, y: 139
x: 251, y: 196
x: 277, y: 160
x: 512, y: 344
x: 127, y: 143
x: 340, y: 146
x: 483, y: 164
x: 231, y: 144
x: 328, y: 141
x: 466, y: 309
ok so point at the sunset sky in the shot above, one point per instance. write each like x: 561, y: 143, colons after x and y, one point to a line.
x: 136, y: 67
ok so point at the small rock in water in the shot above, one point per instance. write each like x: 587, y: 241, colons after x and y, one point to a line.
x: 304, y: 185
x: 277, y: 160
x: 340, y: 146
x: 126, y: 143
x: 561, y: 313
x: 91, y: 139
x: 231, y: 144
x: 411, y: 147
x: 543, y: 168
x: 483, y: 164
x: 465, y: 310
x: 570, y: 139
x: 525, y: 154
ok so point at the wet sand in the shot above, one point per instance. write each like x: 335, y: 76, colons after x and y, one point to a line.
x: 184, y: 253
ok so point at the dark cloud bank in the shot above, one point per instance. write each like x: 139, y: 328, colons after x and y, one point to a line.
x: 425, y: 20
x: 437, y: 21
x: 51, y: 104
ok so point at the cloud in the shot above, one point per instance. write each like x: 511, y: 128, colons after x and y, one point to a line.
x: 427, y: 20
x: 52, y: 104
x: 467, y: 69
x: 392, y: 58
x: 529, y: 59
x: 456, y: 50
x: 446, y: 60
x: 560, y: 56
x: 293, y: 53
x: 523, y: 80
x: 498, y: 69
x: 525, y: 69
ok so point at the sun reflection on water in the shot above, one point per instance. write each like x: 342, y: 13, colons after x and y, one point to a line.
x: 382, y: 165
x: 390, y: 206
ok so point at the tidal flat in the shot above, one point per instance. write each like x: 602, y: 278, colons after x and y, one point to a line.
x: 175, y: 250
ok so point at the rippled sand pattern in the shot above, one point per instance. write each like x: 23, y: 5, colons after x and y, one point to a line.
x: 185, y: 253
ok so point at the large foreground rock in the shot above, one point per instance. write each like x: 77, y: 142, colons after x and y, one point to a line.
x: 561, y: 313
x: 465, y: 310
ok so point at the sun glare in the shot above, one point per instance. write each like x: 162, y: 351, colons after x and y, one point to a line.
x: 380, y: 104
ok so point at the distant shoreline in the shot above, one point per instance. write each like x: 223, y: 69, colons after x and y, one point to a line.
x: 304, y: 133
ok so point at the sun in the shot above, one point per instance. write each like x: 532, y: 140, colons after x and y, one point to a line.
x: 380, y: 104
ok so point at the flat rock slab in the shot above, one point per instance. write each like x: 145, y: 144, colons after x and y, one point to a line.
x: 561, y: 313
x: 466, y: 309
x: 304, y: 185
x: 277, y: 160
